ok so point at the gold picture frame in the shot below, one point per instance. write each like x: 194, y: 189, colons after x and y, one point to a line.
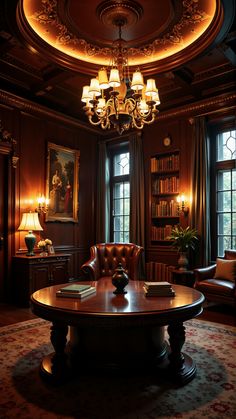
x: 62, y: 184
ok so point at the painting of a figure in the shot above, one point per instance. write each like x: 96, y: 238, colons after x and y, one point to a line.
x: 62, y: 183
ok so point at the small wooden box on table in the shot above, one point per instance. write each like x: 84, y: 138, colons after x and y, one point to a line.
x: 183, y: 277
x: 31, y: 273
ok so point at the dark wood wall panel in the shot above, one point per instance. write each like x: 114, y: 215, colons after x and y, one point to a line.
x: 32, y: 132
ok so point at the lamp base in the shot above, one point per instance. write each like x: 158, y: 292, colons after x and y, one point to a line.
x: 30, y: 240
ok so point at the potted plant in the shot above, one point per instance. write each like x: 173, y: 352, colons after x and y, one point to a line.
x: 183, y: 240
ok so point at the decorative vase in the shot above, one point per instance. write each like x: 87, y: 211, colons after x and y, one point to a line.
x: 120, y: 279
x: 183, y: 261
x: 30, y: 240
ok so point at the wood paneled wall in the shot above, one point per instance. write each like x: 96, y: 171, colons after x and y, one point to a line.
x: 32, y: 129
x: 33, y: 126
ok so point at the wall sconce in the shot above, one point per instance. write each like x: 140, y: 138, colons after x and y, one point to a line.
x: 182, y: 207
x: 43, y: 204
x: 30, y: 222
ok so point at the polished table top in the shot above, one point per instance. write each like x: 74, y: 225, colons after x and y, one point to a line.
x: 101, y: 323
x: 134, y: 303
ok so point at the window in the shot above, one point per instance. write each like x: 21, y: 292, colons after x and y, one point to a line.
x: 225, y: 196
x: 120, y: 195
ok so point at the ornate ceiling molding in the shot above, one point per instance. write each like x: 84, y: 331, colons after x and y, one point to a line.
x: 216, y: 105
x: 189, y: 28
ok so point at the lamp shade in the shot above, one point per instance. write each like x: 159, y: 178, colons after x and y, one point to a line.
x: 114, y: 79
x: 30, y: 222
x: 94, y: 88
x: 137, y: 81
x: 101, y: 105
x: 86, y: 95
x: 151, y: 87
x: 103, y: 79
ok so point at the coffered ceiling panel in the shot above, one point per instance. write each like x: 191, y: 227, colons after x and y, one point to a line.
x: 50, y: 48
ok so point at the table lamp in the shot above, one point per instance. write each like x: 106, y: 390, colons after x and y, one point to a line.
x: 30, y: 222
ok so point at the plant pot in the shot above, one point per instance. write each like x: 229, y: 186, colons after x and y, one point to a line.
x: 183, y: 261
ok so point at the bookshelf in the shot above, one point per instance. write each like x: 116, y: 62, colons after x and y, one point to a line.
x: 164, y: 191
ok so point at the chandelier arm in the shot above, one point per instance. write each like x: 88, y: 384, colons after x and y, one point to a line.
x: 138, y: 127
x: 144, y: 117
x: 100, y: 115
x: 135, y: 122
x: 115, y: 107
x: 130, y: 104
x: 93, y: 122
x: 107, y: 124
x: 150, y: 121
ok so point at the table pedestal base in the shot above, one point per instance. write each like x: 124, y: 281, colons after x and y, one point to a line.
x: 139, y: 349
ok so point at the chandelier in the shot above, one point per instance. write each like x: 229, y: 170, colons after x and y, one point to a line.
x: 117, y: 99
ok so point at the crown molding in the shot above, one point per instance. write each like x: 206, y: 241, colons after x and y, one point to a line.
x: 215, y: 105
x: 26, y: 105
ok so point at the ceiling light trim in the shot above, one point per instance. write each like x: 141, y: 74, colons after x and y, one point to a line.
x: 147, y: 55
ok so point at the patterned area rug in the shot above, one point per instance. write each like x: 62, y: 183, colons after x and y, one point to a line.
x: 24, y: 395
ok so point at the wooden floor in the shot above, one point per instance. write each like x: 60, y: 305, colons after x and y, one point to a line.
x: 225, y: 314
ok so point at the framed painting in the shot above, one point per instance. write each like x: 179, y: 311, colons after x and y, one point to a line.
x: 62, y: 186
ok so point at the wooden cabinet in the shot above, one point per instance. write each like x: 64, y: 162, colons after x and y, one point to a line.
x: 35, y: 272
x: 165, y: 188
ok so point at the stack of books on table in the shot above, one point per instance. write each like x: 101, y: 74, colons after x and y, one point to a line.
x: 76, y: 291
x: 158, y: 289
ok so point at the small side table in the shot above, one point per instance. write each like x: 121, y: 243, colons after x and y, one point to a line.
x: 183, y: 277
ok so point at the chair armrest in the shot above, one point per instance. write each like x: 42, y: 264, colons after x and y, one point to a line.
x: 91, y: 267
x: 205, y: 273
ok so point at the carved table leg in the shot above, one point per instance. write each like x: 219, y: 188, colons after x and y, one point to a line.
x: 55, y: 366
x: 181, y: 366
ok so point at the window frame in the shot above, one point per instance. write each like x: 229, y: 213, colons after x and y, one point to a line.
x: 215, y: 167
x: 113, y: 151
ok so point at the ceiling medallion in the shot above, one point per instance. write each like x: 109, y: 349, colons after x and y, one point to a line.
x: 112, y: 11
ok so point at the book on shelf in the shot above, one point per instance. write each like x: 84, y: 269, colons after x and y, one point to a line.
x: 81, y: 294
x: 75, y: 288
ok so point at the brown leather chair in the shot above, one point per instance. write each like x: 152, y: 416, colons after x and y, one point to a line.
x: 106, y: 256
x: 216, y: 289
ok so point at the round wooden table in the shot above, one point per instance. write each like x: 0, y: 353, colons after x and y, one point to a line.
x: 118, y: 331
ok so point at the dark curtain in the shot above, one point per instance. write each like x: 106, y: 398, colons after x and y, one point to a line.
x: 200, y: 211
x: 137, y: 194
x: 103, y: 197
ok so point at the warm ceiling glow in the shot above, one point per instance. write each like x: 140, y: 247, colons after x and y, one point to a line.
x: 186, y: 33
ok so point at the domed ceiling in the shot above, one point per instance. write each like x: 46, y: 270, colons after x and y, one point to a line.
x: 158, y: 35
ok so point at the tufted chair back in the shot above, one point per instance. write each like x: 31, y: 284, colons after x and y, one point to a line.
x: 106, y: 256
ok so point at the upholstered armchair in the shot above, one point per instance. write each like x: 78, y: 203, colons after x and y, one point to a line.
x: 106, y: 256
x: 217, y: 282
